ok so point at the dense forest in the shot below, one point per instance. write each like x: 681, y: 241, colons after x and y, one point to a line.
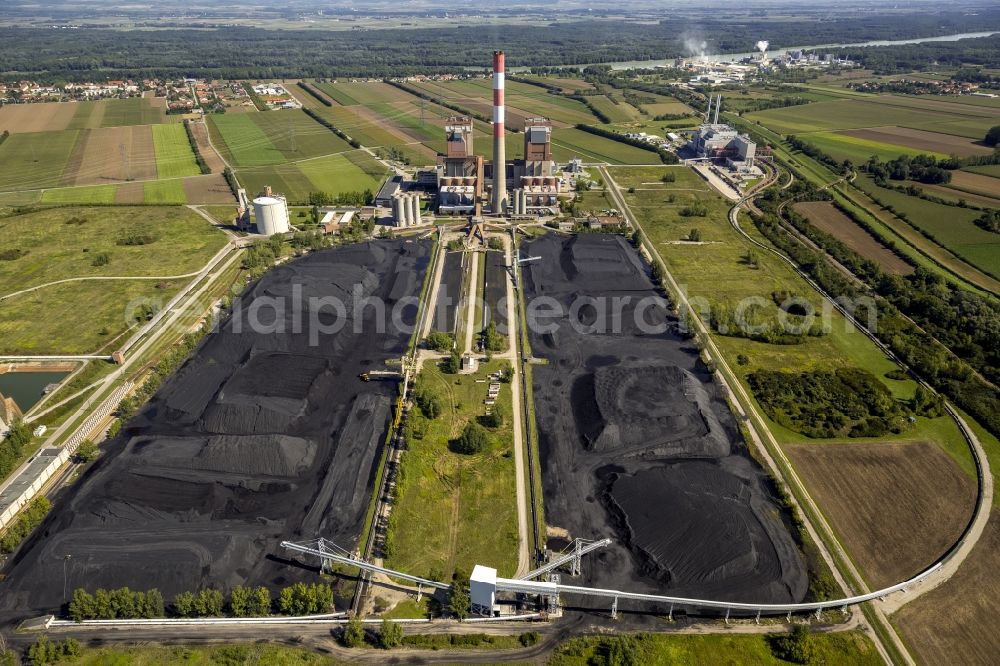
x: 982, y: 51
x: 54, y: 55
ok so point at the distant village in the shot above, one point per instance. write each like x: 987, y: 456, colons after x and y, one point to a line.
x: 183, y: 95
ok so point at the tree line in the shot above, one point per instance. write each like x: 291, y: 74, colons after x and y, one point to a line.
x: 125, y: 604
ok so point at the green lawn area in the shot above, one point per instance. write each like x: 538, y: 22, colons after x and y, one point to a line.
x: 178, y: 655
x: 987, y: 170
x: 950, y: 226
x: 174, y: 157
x: 570, y: 142
x: 445, y: 499
x: 57, y: 249
x: 166, y: 192
x: 345, y: 172
x: 103, y: 194
x: 364, y: 130
x: 848, y: 648
x: 36, y: 159
x: 733, y: 280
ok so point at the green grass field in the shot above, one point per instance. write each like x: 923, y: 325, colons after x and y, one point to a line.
x: 950, y: 226
x: 174, y: 157
x: 622, y: 112
x: 134, y: 111
x: 858, y: 150
x: 102, y: 194
x: 166, y: 192
x: 957, y: 119
x: 262, y: 139
x: 723, y: 256
x: 35, y: 160
x: 346, y: 172
x: 568, y: 143
x: 57, y: 248
x: 847, y: 648
x: 446, y: 498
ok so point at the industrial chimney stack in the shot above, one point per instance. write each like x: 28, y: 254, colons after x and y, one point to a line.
x: 499, y: 202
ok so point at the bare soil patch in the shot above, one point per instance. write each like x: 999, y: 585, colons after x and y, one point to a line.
x: 45, y: 117
x: 825, y: 217
x: 102, y: 160
x: 130, y: 193
x: 897, y: 507
x: 211, y: 189
x: 208, y: 153
x: 922, y: 140
x: 951, y: 624
x: 976, y: 182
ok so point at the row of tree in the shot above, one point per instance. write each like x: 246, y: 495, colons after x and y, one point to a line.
x: 123, y: 603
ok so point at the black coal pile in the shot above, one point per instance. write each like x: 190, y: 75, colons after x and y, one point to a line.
x: 637, y: 443
x: 266, y: 433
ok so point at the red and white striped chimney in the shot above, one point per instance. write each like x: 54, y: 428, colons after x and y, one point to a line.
x: 499, y: 203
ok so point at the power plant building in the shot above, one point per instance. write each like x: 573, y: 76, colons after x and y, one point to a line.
x: 717, y: 141
x: 465, y: 183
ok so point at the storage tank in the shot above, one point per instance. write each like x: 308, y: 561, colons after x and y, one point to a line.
x: 397, y: 211
x: 271, y: 214
x: 414, y: 209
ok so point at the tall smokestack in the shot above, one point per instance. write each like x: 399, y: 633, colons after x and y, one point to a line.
x: 499, y: 145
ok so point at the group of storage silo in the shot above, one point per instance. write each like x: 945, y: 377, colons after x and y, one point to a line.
x: 406, y: 209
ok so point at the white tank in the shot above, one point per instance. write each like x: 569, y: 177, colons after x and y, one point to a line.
x: 397, y: 211
x: 414, y: 209
x: 271, y: 214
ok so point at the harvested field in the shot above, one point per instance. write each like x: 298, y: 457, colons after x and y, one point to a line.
x: 226, y: 460
x: 208, y: 153
x: 953, y: 623
x: 46, y: 117
x: 133, y: 111
x: 97, y: 157
x: 130, y: 193
x: 930, y: 142
x: 897, y: 507
x: 36, y: 160
x: 975, y: 183
x: 826, y: 217
x: 630, y: 422
x: 211, y: 189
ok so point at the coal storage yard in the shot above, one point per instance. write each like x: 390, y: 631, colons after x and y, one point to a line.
x: 495, y: 289
x: 260, y: 436
x: 449, y: 295
x: 637, y: 443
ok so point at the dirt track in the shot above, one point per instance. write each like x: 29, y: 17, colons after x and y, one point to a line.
x: 259, y: 437
x: 637, y: 444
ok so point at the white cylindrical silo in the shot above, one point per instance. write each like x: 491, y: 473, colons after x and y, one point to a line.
x: 397, y: 210
x: 271, y: 214
x: 414, y: 209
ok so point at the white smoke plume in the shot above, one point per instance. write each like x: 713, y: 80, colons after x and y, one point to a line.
x: 695, y: 46
x: 762, y: 46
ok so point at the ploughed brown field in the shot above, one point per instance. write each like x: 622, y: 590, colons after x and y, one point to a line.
x: 953, y: 623
x: 934, y: 142
x: 896, y: 507
x: 826, y: 217
x: 97, y: 157
x: 976, y: 182
x: 43, y: 117
x: 210, y: 189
